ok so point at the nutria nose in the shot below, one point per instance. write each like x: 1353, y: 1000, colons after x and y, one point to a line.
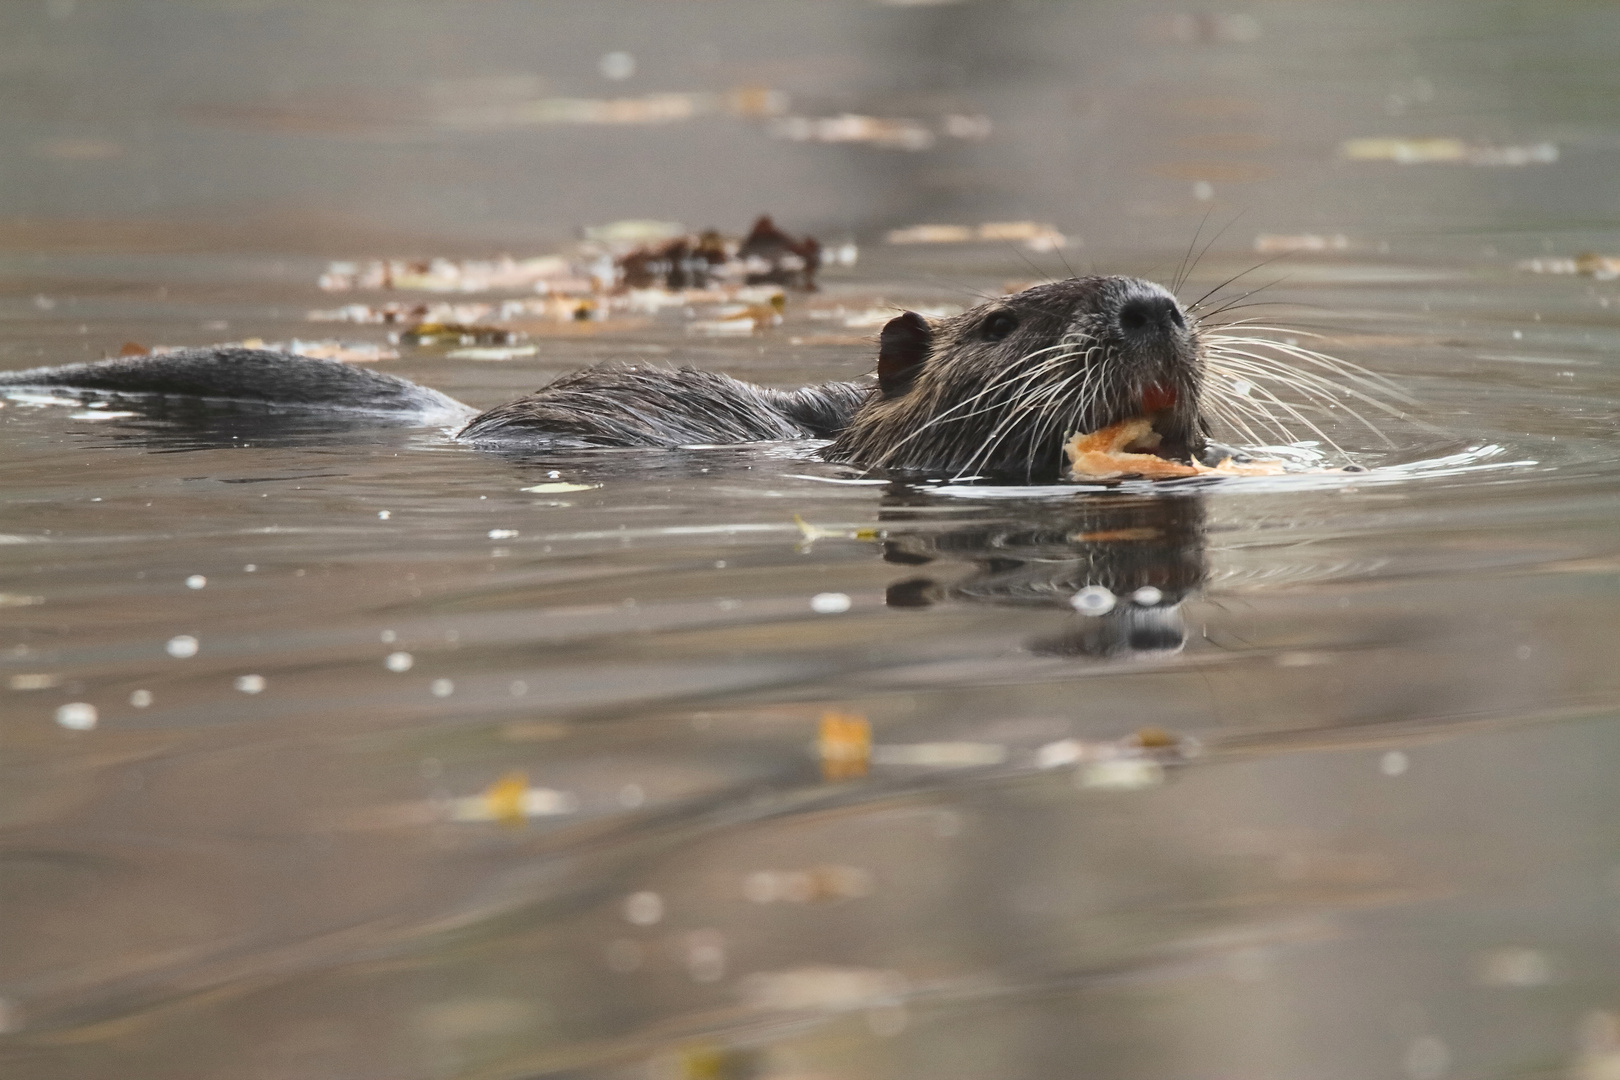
x: 1150, y: 314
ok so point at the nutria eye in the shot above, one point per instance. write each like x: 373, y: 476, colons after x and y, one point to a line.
x: 998, y: 326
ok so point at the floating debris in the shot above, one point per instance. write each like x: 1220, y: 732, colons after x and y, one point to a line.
x: 1033, y: 235
x: 809, y: 533
x: 446, y: 275
x: 844, y: 745
x: 455, y: 333
x: 1280, y: 243
x: 814, y: 885
x: 1404, y: 151
x: 508, y: 352
x: 746, y: 102
x: 823, y: 989
x: 558, y: 488
x: 510, y: 801
x: 1123, y: 775
x: 940, y: 755
x: 886, y: 133
x: 1136, y: 761
x: 1601, y: 267
x: 34, y: 681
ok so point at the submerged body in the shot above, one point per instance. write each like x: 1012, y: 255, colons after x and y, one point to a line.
x: 993, y: 391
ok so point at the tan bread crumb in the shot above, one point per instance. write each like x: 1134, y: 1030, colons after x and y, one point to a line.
x: 1107, y: 454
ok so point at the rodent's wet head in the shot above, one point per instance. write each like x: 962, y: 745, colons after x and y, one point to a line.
x: 996, y: 390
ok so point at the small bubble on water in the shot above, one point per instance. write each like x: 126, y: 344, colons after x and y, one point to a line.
x: 77, y: 716
x: 384, y: 515
x: 830, y: 603
x: 399, y: 661
x: 250, y: 684
x: 1203, y: 191
x: 250, y: 568
x: 517, y: 688
x: 644, y: 908
x: 631, y: 796
x: 196, y: 581
x: 181, y: 646
x: 1393, y: 763
x: 442, y: 687
x: 388, y: 637
x: 1523, y: 652
x: 502, y: 534
x: 553, y: 474
x: 1147, y: 596
x: 141, y: 698
x: 1093, y: 600
x: 719, y: 564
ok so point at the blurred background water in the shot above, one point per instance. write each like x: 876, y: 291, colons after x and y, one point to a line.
x: 350, y: 752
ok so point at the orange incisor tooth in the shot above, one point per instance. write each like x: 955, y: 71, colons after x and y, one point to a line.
x: 845, y: 745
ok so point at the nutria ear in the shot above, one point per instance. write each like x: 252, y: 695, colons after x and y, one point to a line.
x: 902, y: 348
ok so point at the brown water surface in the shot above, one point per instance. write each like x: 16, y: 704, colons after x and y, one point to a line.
x: 399, y: 767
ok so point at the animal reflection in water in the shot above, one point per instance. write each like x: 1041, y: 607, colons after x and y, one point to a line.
x: 1122, y: 564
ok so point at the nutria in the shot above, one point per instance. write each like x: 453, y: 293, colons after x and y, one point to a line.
x: 992, y: 391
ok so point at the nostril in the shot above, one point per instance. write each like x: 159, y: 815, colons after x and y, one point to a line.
x: 1149, y: 312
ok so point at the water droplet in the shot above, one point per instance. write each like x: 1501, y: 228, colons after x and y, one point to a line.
x: 644, y: 908
x: 77, y: 716
x: 181, y: 646
x: 442, y: 687
x: 141, y: 698
x: 1093, y: 600
x: 196, y: 581
x: 1393, y: 763
x: 399, y: 661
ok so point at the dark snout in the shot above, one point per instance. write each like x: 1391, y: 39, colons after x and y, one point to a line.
x: 1147, y: 317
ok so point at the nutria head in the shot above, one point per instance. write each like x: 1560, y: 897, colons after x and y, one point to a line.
x: 996, y: 390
